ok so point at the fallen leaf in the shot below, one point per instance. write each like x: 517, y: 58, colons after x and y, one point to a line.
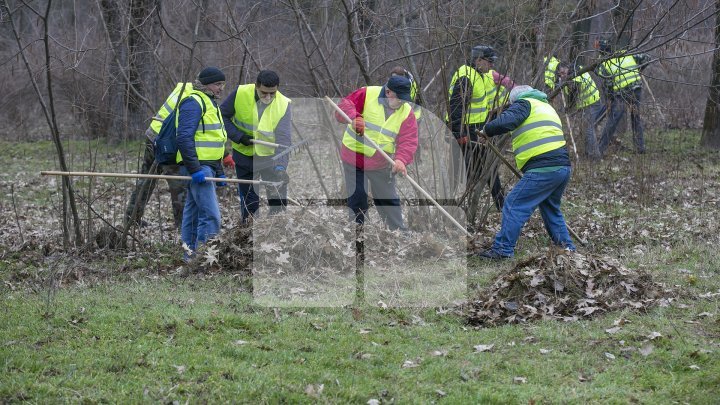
x: 373, y: 401
x: 439, y: 353
x: 620, y: 322
x: 704, y: 315
x: 519, y: 380
x: 382, y: 305
x: 695, y: 367
x: 646, y: 350
x: 240, y: 342
x: 545, y: 351
x: 180, y: 369
x: 441, y: 393
x: 410, y: 364
x: 483, y: 348
x: 653, y: 335
x: 314, y: 390
x: 365, y: 331
x: 614, y: 330
x: 609, y: 356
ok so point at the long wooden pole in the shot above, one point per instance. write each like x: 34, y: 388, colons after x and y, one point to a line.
x: 157, y: 176
x: 515, y: 171
x: 570, y: 131
x: 410, y: 179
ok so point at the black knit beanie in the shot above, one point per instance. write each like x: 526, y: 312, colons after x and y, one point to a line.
x: 210, y: 75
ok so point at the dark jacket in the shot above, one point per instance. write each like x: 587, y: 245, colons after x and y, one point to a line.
x: 511, y: 119
x: 189, y: 117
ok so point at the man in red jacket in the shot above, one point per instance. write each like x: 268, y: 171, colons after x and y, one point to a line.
x: 383, y: 114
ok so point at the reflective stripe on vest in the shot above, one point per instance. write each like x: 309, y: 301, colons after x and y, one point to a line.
x: 541, y: 132
x: 588, y: 92
x: 169, y: 105
x: 210, y: 138
x: 382, y: 131
x: 476, y: 112
x: 550, y: 71
x: 623, y: 70
x: 246, y: 119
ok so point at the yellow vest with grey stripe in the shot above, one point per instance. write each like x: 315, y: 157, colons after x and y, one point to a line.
x: 623, y: 71
x: 417, y: 110
x: 381, y: 130
x: 169, y: 105
x: 540, y: 132
x: 588, y: 92
x: 493, y: 98
x: 210, y: 135
x: 550, y: 71
x: 246, y: 120
x: 477, y: 111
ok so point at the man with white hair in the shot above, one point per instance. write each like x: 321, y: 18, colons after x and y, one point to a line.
x: 539, y: 147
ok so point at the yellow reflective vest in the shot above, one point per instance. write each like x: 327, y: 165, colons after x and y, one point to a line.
x: 493, y: 98
x: 169, y: 105
x: 550, y: 71
x: 210, y: 135
x: 623, y: 71
x: 477, y: 111
x: 417, y: 110
x: 381, y: 130
x: 246, y: 120
x: 588, y: 92
x: 541, y: 132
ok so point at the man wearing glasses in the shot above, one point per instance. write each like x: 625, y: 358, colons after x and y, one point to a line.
x: 255, y: 112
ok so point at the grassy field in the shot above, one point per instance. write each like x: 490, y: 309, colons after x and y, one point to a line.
x: 101, y: 326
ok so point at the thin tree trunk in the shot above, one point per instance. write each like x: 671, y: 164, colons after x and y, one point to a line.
x: 711, y: 123
x: 352, y: 25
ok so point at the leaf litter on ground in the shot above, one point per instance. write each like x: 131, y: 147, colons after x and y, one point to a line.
x: 565, y: 286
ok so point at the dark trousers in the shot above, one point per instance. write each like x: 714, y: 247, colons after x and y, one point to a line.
x: 145, y: 187
x: 384, y: 193
x: 258, y: 168
x: 618, y: 103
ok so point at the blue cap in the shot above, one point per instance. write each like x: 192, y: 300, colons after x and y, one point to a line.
x: 401, y: 86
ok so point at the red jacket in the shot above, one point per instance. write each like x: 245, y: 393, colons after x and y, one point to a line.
x: 406, y: 142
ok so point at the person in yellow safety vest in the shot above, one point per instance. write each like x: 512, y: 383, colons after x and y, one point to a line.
x: 551, y: 67
x: 383, y: 114
x: 623, y: 85
x: 583, y: 95
x: 145, y: 187
x: 201, y: 141
x: 540, y: 153
x: 472, y: 94
x: 258, y: 111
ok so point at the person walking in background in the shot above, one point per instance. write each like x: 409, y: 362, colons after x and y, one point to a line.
x: 540, y: 153
x: 473, y: 92
x: 201, y: 141
x: 623, y: 85
x: 583, y: 96
x: 383, y: 114
x: 259, y: 111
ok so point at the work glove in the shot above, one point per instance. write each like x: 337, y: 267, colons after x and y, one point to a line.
x: 359, y: 125
x: 228, y: 161
x: 198, y: 177
x: 281, y: 174
x: 245, y: 140
x: 462, y: 140
x: 221, y: 183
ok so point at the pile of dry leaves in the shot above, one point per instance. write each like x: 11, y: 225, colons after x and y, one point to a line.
x: 319, y: 241
x: 564, y: 286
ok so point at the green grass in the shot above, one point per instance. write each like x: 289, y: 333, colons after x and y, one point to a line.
x: 177, y: 339
x: 128, y: 331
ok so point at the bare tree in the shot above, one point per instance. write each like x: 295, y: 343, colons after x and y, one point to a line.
x: 711, y: 124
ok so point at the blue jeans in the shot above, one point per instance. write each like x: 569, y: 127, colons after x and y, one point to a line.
x: 535, y: 189
x: 618, y: 102
x: 201, y: 216
x: 590, y: 116
x: 384, y: 192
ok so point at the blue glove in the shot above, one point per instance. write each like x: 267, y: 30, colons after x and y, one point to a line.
x: 281, y: 174
x: 198, y: 177
x: 221, y: 183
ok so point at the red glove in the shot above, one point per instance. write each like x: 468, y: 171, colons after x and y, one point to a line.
x: 228, y: 161
x: 359, y: 125
x: 463, y: 140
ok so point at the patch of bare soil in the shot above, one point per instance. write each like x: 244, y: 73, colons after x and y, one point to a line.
x: 565, y: 286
